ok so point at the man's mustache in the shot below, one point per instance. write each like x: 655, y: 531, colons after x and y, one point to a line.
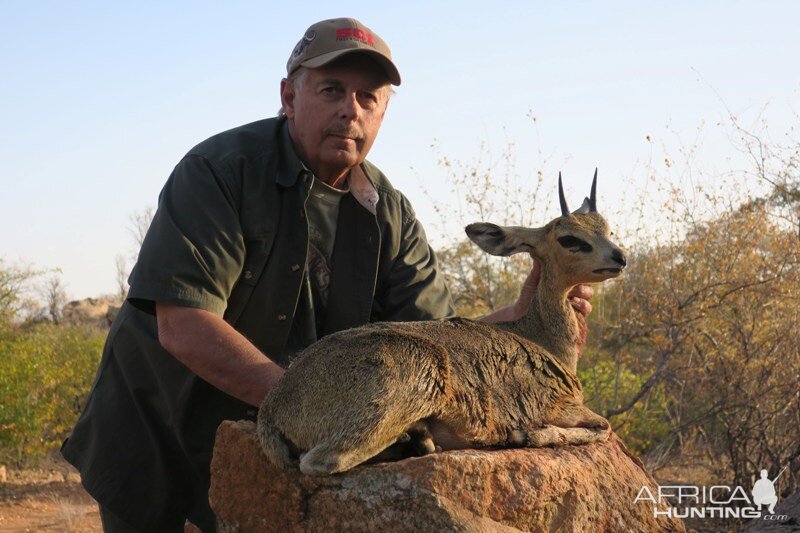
x: 343, y: 130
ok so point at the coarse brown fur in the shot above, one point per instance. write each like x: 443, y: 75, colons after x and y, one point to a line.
x: 450, y: 384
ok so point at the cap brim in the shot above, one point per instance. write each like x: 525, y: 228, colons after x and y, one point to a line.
x: 324, y: 59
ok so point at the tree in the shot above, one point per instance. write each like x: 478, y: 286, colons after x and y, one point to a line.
x: 138, y: 224
x: 15, y: 282
x: 122, y: 276
x: 55, y: 297
x: 774, y: 163
x: 487, y: 189
x: 704, y: 326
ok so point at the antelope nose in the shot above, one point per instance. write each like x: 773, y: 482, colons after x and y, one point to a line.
x: 617, y: 256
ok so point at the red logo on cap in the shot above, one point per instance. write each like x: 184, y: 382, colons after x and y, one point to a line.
x: 355, y: 33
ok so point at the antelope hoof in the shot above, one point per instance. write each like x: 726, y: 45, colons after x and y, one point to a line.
x: 425, y: 446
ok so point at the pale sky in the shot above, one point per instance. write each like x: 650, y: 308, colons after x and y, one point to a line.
x: 99, y: 100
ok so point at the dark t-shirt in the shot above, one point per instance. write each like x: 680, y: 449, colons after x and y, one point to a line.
x: 322, y: 210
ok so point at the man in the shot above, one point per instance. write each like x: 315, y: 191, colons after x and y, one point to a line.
x: 266, y: 238
x: 764, y: 492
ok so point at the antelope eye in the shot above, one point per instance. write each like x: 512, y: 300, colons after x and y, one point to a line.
x: 574, y: 244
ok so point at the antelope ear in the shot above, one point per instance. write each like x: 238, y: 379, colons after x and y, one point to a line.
x: 585, y: 207
x: 496, y: 240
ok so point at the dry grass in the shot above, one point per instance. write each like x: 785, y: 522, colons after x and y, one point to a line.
x: 46, y: 500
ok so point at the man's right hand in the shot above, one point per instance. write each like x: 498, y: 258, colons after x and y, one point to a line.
x: 216, y: 352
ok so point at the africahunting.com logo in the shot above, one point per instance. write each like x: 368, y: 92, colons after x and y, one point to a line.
x: 717, y: 501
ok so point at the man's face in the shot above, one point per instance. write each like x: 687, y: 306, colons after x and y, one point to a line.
x: 335, y: 114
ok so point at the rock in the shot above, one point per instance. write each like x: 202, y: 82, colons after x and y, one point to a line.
x: 788, y: 508
x: 99, y: 312
x: 573, y: 488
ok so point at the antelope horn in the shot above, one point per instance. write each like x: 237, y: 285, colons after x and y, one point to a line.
x: 593, y: 196
x: 564, y: 208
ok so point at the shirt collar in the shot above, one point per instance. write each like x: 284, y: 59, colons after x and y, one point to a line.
x: 289, y: 165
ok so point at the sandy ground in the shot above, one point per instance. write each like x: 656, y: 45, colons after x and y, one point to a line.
x: 46, y: 500
x: 52, y: 499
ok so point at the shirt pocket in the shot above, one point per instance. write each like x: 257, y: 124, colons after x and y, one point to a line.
x: 257, y: 251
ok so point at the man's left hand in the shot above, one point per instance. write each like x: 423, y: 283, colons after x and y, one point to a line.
x: 578, y: 298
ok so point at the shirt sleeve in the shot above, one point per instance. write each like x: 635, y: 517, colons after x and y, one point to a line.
x: 416, y: 286
x: 194, y: 250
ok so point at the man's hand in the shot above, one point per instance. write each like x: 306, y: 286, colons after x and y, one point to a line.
x: 216, y: 352
x: 578, y: 297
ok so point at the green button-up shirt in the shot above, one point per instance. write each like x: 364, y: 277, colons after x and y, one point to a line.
x: 230, y: 236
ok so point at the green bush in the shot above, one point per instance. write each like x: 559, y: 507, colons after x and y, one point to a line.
x: 607, y: 385
x: 45, y: 374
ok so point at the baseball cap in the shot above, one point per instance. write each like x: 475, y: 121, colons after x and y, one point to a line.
x: 331, y: 39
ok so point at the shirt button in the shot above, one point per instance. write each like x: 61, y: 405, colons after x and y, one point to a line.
x: 281, y: 317
x: 248, y: 274
x: 295, y: 268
